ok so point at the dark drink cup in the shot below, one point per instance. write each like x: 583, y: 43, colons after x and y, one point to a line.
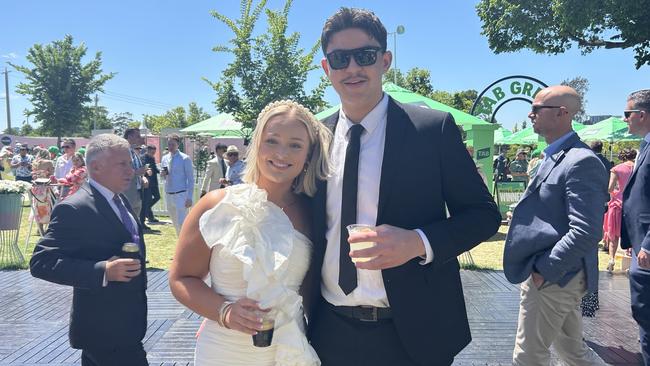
x: 130, y: 250
x: 264, y: 337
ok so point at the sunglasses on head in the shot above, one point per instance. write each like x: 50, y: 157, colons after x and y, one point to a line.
x: 364, y: 56
x: 535, y: 108
x: 66, y: 146
x: 628, y: 113
x: 232, y: 154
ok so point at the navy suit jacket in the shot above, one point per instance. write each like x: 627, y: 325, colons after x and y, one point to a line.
x: 558, y: 222
x: 425, y: 168
x: 635, y: 228
x: 84, y: 232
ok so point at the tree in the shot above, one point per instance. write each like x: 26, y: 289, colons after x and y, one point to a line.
x: 195, y: 114
x: 26, y: 130
x: 122, y: 121
x: 95, y: 118
x: 581, y: 85
x: 524, y: 124
x: 58, y: 85
x: 515, y: 128
x: 419, y: 80
x: 394, y: 76
x: 266, y: 67
x: 553, y: 26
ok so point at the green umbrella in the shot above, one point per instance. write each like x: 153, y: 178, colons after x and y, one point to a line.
x: 222, y: 125
x: 408, y: 97
x: 611, y: 129
x: 500, y: 134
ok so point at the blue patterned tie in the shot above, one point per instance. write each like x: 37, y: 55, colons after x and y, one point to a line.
x: 126, y: 220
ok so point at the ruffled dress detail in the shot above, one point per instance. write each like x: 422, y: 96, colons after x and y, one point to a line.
x: 258, y: 254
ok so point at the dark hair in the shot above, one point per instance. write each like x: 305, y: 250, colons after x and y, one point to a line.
x: 641, y: 99
x: 627, y: 155
x: 220, y: 146
x: 130, y: 131
x: 346, y: 18
x: 597, y: 146
x: 151, y: 147
x: 174, y: 137
x: 69, y: 141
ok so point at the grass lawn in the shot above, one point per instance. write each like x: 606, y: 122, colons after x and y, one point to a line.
x: 161, y: 245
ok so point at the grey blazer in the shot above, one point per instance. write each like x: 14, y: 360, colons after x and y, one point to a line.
x: 558, y: 222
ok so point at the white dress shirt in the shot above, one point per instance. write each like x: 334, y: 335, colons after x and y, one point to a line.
x: 63, y: 166
x: 370, y: 284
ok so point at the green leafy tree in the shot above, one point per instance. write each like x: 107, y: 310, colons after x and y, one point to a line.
x: 442, y: 96
x: 419, y: 80
x: 95, y: 118
x: 12, y: 131
x: 463, y: 100
x: 581, y: 85
x: 524, y: 124
x: 396, y: 77
x: 26, y: 130
x: 59, y: 84
x: 553, y: 26
x: 122, y: 121
x: 266, y: 67
x: 196, y: 114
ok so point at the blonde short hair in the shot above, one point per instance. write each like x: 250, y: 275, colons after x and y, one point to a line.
x: 318, y: 165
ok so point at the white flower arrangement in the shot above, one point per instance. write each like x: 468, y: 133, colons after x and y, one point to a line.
x: 12, y: 186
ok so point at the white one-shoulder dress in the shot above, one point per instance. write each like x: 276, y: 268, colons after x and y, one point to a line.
x: 256, y: 253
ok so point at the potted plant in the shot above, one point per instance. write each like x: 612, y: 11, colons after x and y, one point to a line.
x: 11, y: 196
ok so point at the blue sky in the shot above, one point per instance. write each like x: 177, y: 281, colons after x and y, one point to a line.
x: 160, y: 50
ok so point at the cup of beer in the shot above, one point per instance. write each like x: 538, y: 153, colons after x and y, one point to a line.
x: 361, y: 228
x: 130, y: 250
x: 264, y: 336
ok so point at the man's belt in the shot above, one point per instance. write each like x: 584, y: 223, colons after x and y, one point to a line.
x: 176, y: 192
x: 363, y: 313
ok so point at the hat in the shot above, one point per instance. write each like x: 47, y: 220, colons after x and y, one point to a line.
x: 536, y: 153
x: 53, y: 149
x: 522, y: 151
x: 232, y: 149
x: 82, y: 151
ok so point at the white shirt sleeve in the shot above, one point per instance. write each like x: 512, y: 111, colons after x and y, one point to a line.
x: 427, y: 248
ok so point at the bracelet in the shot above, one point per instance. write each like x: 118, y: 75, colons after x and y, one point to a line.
x: 222, y: 313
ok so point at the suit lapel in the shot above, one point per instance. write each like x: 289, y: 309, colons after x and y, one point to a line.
x: 320, y: 199
x: 393, y: 145
x: 548, y: 166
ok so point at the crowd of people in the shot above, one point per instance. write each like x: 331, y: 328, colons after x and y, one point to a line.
x: 272, y: 233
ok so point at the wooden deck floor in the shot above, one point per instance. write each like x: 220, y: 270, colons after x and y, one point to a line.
x: 34, y: 322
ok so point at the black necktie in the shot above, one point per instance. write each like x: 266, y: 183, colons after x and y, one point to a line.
x: 347, y: 270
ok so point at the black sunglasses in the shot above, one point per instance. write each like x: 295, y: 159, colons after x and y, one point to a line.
x: 628, y: 113
x: 535, y: 108
x: 364, y: 56
x: 65, y: 147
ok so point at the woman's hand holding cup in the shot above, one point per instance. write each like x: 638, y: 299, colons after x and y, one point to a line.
x: 243, y: 316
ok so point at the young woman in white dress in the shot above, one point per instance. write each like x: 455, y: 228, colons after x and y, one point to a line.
x: 252, y: 240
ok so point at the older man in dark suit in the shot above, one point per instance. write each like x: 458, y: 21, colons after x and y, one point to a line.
x: 81, y: 249
x: 635, y: 229
x: 552, y: 243
x: 397, y: 167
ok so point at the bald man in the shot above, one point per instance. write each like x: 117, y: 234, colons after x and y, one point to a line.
x: 552, y: 244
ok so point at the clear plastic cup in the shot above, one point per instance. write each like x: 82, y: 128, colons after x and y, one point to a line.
x: 361, y: 228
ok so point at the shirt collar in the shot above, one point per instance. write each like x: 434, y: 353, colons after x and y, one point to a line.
x: 371, y: 120
x: 555, y: 146
x: 107, y: 193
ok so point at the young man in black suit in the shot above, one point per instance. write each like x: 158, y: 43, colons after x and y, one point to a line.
x: 82, y: 249
x: 151, y: 194
x: 635, y: 228
x: 397, y: 167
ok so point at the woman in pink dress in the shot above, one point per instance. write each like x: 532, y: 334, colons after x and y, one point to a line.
x: 77, y: 175
x: 619, y: 176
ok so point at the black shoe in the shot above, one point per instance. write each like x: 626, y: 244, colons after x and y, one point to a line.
x: 145, y: 227
x: 153, y: 220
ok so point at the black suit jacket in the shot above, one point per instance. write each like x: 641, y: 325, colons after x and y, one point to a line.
x: 153, y: 179
x: 425, y: 166
x: 84, y: 232
x: 635, y: 227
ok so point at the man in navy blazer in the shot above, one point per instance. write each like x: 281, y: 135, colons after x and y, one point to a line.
x: 635, y: 229
x: 399, y: 168
x: 81, y: 249
x: 552, y: 243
